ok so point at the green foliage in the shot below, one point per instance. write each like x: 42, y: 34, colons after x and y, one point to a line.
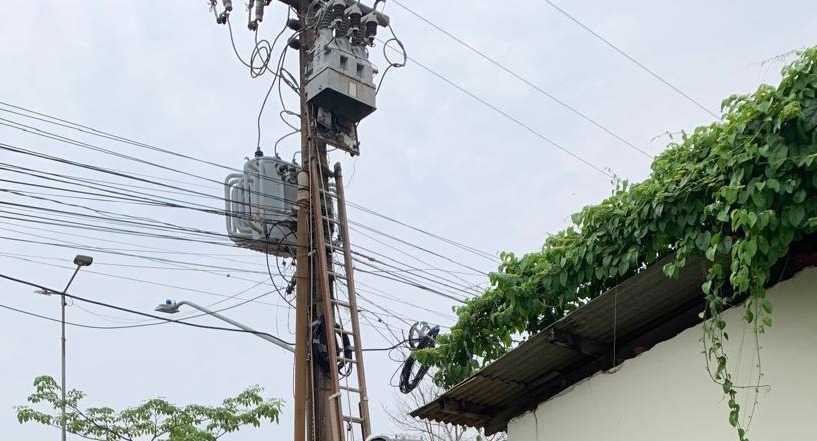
x: 154, y: 420
x: 738, y: 192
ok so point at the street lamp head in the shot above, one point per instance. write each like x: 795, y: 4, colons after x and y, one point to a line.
x: 168, y: 307
x: 81, y: 260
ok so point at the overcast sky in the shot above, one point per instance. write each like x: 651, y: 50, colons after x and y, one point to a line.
x: 432, y: 156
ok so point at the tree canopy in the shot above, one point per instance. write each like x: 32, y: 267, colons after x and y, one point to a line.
x: 153, y: 420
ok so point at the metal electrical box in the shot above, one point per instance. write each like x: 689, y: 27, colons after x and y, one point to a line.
x: 259, y: 206
x: 341, y: 81
x: 339, y: 76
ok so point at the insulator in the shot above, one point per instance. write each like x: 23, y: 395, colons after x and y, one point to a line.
x: 336, y: 11
x: 342, y: 29
x: 370, y: 25
x: 259, y: 11
x: 251, y: 24
x: 355, y: 16
x: 228, y: 5
x: 325, y: 18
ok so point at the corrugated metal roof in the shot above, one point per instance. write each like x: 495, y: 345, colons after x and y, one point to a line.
x: 628, y: 319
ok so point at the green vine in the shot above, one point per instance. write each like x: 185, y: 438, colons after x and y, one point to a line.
x: 738, y: 192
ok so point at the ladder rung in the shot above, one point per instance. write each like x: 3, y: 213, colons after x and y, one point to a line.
x: 351, y: 419
x: 344, y: 331
x: 342, y: 303
x: 336, y: 275
x: 350, y: 389
x: 348, y: 360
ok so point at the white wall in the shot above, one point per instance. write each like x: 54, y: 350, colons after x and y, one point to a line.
x: 666, y: 394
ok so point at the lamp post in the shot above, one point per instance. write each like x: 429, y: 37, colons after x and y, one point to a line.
x: 80, y: 261
x: 171, y: 307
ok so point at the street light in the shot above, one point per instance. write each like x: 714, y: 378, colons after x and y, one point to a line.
x: 80, y: 261
x: 171, y: 307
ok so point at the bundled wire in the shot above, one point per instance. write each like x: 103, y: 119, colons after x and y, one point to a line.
x: 427, y: 339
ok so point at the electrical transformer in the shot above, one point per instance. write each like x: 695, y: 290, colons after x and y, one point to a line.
x: 339, y: 75
x: 259, y: 205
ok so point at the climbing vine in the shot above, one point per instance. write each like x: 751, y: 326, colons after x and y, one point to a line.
x: 737, y: 192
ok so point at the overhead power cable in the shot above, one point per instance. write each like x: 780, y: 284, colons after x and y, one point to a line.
x: 132, y: 311
x: 224, y: 297
x: 50, y: 119
x: 526, y: 81
x: 632, y: 59
x: 470, y: 249
x: 411, y: 283
x: 512, y: 118
x: 163, y: 321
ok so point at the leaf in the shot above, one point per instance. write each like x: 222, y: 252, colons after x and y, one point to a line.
x: 623, y: 265
x: 752, y: 219
x: 767, y: 306
x: 799, y: 197
x: 727, y: 386
x: 750, y: 247
x: 710, y: 253
x: 730, y: 194
x: 796, y: 216
x: 733, y: 418
x: 703, y: 240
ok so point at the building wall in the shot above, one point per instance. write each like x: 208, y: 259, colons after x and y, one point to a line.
x: 666, y: 393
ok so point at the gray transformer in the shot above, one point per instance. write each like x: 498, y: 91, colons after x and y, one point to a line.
x: 259, y: 206
x: 339, y: 76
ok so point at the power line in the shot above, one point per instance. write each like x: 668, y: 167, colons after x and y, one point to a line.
x: 473, y: 250
x: 404, y: 242
x: 632, y: 59
x: 132, y: 311
x: 50, y: 119
x: 43, y: 220
x: 225, y: 297
x: 164, y: 321
x: 526, y: 81
x: 146, y: 249
x: 173, y: 227
x: 511, y: 118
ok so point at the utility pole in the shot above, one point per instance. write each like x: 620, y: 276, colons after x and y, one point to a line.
x: 313, y: 388
x: 303, y: 276
x: 337, y: 91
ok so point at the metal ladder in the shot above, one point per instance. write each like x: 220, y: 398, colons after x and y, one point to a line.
x: 342, y: 417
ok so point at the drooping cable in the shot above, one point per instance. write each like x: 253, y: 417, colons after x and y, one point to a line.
x: 507, y: 70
